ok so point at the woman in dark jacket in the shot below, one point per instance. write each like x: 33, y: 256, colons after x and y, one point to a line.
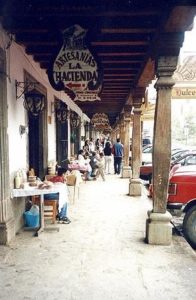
x: 108, y: 157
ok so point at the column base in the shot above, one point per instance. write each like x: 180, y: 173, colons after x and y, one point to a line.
x: 126, y: 172
x: 7, y: 231
x: 159, y: 228
x: 135, y: 187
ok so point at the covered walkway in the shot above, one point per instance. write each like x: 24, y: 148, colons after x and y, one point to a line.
x: 101, y: 255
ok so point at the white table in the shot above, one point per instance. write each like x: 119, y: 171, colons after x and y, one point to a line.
x: 60, y: 188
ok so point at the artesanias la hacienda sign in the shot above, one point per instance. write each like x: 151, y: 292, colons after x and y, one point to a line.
x: 75, y: 67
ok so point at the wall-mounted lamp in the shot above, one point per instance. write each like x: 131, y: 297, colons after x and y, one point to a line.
x: 62, y: 112
x: 74, y: 119
x: 86, y: 126
x: 34, y: 101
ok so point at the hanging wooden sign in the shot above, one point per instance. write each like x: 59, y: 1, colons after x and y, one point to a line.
x: 75, y: 67
x: 87, y: 96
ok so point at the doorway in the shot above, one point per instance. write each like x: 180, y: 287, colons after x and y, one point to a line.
x: 61, y: 134
x: 36, y: 144
x: 38, y: 134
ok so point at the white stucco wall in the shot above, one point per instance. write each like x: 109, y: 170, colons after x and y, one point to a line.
x: 17, y: 62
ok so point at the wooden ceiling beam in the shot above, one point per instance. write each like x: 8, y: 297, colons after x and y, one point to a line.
x: 30, y: 30
x: 121, y: 61
x: 120, y: 43
x: 107, y: 107
x: 117, y: 79
x: 118, y: 101
x: 141, y: 53
x: 121, y: 69
x: 115, y: 93
x: 42, y: 56
x: 44, y: 59
x: 119, y: 75
x: 128, y: 30
x: 117, y: 84
x: 128, y: 72
x: 29, y: 34
x: 39, y: 43
x: 114, y: 13
x: 115, y: 89
x: 40, y: 9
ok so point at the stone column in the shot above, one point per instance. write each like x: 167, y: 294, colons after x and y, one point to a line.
x: 117, y: 132
x: 158, y: 228
x: 135, y: 182
x: 122, y: 131
x: 126, y: 171
x: 7, y: 225
x: 112, y: 135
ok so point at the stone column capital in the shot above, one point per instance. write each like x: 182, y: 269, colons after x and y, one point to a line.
x: 137, y: 110
x: 138, y: 94
x: 127, y: 108
x: 122, y: 123
x: 127, y: 116
x: 165, y: 67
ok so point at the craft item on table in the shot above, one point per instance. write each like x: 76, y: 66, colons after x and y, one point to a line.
x: 32, y: 181
x: 31, y: 172
x: 45, y: 185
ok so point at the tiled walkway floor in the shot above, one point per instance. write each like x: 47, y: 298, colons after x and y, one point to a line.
x: 101, y: 255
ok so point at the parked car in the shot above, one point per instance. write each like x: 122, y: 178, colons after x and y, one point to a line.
x: 147, y: 155
x: 146, y: 147
x: 146, y: 141
x: 183, y: 158
x: 179, y: 153
x: 146, y: 172
x: 182, y: 198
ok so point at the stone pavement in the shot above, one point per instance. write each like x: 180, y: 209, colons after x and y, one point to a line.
x: 101, y: 255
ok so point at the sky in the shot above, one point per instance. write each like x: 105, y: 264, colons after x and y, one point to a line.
x: 189, y: 44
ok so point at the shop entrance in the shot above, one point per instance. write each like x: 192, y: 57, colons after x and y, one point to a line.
x: 36, y: 144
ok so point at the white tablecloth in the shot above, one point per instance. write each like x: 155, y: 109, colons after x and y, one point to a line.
x: 58, y: 187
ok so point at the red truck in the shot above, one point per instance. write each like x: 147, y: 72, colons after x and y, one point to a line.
x: 182, y: 198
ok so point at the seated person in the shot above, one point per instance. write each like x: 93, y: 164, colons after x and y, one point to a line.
x: 84, y: 161
x: 62, y: 215
x: 93, y: 163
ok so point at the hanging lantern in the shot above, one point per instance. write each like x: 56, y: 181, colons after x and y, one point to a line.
x: 62, y: 113
x: 34, y: 102
x: 74, y: 119
x: 86, y: 126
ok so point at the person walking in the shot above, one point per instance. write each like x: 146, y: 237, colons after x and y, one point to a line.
x: 91, y: 145
x: 100, y: 164
x: 118, y: 151
x: 108, y: 157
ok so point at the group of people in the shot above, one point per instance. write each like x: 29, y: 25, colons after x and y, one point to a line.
x: 98, y: 156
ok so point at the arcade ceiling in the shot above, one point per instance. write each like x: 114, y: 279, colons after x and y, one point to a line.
x: 122, y: 36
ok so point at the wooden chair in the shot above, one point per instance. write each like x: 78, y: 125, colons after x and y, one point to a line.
x: 50, y: 208
x: 74, y: 179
